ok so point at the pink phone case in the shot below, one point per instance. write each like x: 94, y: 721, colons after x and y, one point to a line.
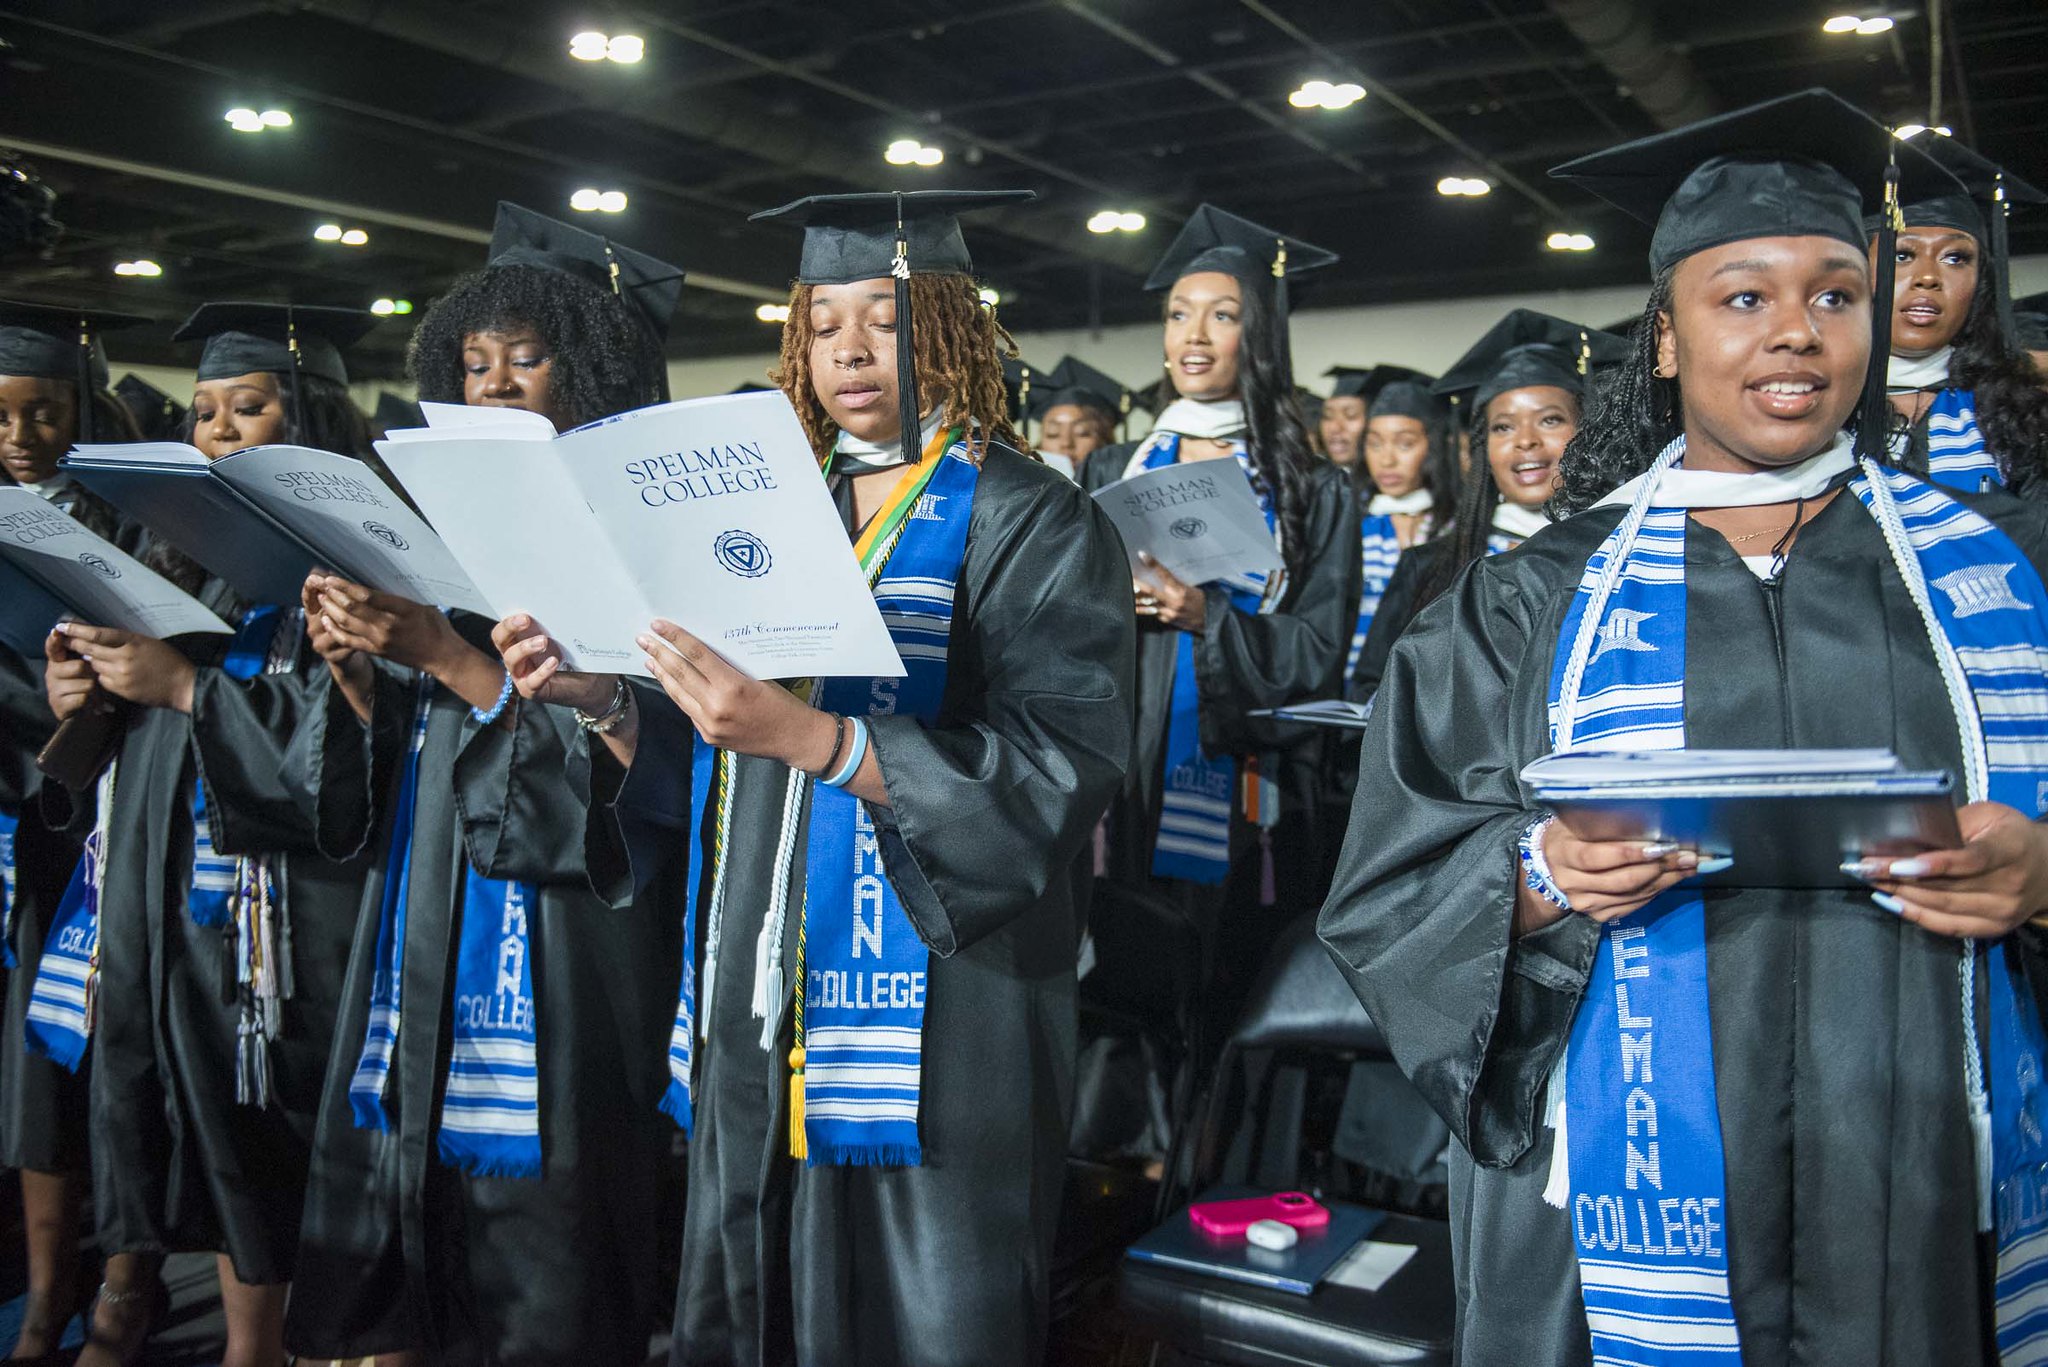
x: 1230, y: 1219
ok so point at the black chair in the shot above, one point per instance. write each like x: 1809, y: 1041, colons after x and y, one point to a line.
x: 1300, y: 1006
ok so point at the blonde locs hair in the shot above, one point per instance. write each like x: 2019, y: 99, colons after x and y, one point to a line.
x: 960, y: 352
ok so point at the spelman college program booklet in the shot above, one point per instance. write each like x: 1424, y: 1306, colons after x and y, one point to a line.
x: 708, y: 512
x: 1200, y: 521
x: 52, y: 568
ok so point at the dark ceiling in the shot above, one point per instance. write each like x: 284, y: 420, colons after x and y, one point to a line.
x: 411, y: 118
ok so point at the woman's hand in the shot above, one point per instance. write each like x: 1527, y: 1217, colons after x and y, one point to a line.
x: 1986, y: 889
x: 141, y: 669
x: 1604, y: 880
x: 733, y: 712
x: 68, y: 680
x: 351, y: 667
x: 1175, y: 604
x: 356, y: 618
x: 534, y: 661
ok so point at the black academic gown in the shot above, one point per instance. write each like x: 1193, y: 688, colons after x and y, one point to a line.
x: 947, y: 1264
x: 43, y: 1106
x: 1837, y: 1048
x: 1243, y: 661
x: 178, y: 1164
x: 407, y: 1253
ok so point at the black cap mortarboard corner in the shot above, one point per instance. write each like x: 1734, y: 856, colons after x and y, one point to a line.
x: 1529, y: 348
x: 893, y: 234
x: 39, y: 341
x: 1260, y: 257
x: 650, y: 286
x: 1976, y: 201
x: 1802, y: 165
x: 1365, y: 382
x: 1074, y: 381
x: 157, y: 415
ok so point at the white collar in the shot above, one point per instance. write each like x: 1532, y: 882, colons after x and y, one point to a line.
x: 55, y: 487
x: 1517, y: 521
x: 1681, y: 488
x: 1204, y: 420
x: 890, y: 451
x: 1413, y: 502
x: 1909, y: 373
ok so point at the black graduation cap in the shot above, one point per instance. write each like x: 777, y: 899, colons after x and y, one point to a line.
x: 1366, y: 382
x: 1975, y: 198
x: 650, y: 286
x: 285, y: 339
x: 1074, y: 381
x: 1019, y: 375
x: 1530, y: 348
x: 749, y: 387
x: 157, y: 415
x: 43, y: 342
x: 2030, y: 322
x: 1799, y: 166
x: 894, y: 233
x: 1257, y: 256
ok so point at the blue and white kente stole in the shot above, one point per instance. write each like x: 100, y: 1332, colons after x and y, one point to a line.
x: 489, y: 1123
x: 64, y: 998
x: 214, y: 876
x: 1645, y: 1187
x: 682, y: 1039
x: 1956, y: 454
x: 1381, y: 546
x: 864, y: 981
x: 8, y: 883
x: 1195, y: 802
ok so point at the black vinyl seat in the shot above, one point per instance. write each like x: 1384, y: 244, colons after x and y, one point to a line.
x: 1302, y: 1005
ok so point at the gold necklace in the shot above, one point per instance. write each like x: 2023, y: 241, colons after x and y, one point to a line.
x: 1751, y: 536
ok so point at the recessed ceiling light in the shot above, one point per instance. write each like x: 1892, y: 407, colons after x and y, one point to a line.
x: 626, y: 48
x: 1569, y: 242
x: 1326, y: 95
x: 772, y: 313
x: 990, y: 296
x: 276, y: 118
x: 1464, y: 185
x: 354, y: 237
x: 589, y: 46
x: 327, y: 232
x: 612, y: 202
x: 142, y: 266
x: 911, y: 152
x: 1116, y: 221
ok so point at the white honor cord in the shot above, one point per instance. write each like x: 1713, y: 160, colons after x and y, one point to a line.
x: 1558, y: 1190
x: 1976, y: 782
x: 768, y: 993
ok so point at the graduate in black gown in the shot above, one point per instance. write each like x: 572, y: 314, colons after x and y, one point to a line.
x: 1078, y: 410
x: 49, y: 357
x: 1525, y: 385
x: 1957, y: 375
x: 222, y: 933
x: 1216, y: 819
x: 486, y: 1163
x: 1794, y: 1173
x: 876, y: 1157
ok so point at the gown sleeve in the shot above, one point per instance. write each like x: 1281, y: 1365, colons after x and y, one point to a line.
x: 349, y: 764
x: 1420, y: 915
x: 26, y: 725
x: 990, y: 809
x: 652, y: 805
x: 533, y: 798
x: 251, y: 739
x: 1248, y: 660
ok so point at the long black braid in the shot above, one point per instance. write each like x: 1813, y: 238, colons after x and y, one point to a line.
x: 1275, y: 437
x: 1634, y: 416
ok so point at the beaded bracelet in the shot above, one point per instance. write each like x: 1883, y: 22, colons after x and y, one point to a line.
x: 858, y: 753
x: 498, y: 707
x: 1536, y: 869
x: 603, y: 723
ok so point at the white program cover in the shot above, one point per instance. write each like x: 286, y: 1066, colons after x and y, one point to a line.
x: 709, y: 512
x: 104, y: 585
x: 338, y: 506
x: 1200, y: 520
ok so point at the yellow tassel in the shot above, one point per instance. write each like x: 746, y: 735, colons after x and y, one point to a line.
x: 798, y: 1146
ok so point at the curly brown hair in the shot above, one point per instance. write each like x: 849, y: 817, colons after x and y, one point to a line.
x: 960, y: 353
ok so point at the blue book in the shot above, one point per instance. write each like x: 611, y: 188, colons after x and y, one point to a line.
x: 1179, y: 1243
x: 1785, y: 818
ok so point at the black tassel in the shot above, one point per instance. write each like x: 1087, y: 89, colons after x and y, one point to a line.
x: 2001, y: 268
x: 297, y: 401
x: 1875, y: 425
x: 87, y: 416
x: 912, y: 411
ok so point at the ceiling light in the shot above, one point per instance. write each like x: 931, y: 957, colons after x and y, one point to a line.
x: 1841, y: 23
x: 592, y: 201
x: 911, y: 152
x: 590, y: 47
x: 245, y: 120
x: 626, y: 48
x: 327, y: 232
x: 354, y: 237
x: 1914, y: 130
x: 929, y: 156
x: 1463, y: 185
x: 1324, y: 95
x: 143, y: 267
x: 990, y: 296
x: 1116, y: 221
x: 276, y: 118
x: 383, y: 308
x: 772, y: 313
x: 612, y: 202
x: 1869, y: 27
x: 1569, y: 242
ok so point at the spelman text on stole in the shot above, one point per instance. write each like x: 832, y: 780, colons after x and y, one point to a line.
x: 864, y: 991
x: 1639, y: 1222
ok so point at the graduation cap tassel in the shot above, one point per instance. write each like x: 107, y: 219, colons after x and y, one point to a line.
x: 906, y: 346
x: 1123, y: 414
x: 1875, y: 423
x: 2001, y: 265
x: 297, y: 400
x: 1585, y: 353
x: 87, y: 417
x: 1023, y: 400
x: 1282, y: 342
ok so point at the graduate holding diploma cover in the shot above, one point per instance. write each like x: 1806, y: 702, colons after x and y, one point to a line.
x: 1196, y: 525
x: 708, y: 512
x: 50, y: 565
